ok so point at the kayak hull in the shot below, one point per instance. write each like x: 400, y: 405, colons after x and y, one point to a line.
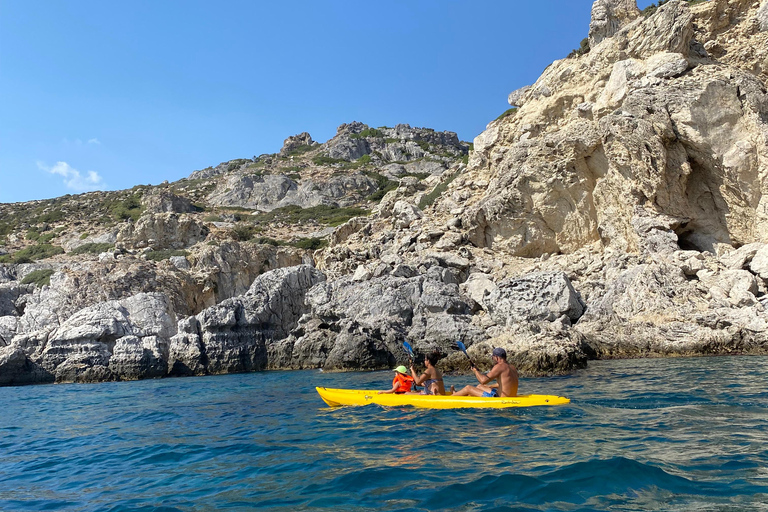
x: 339, y: 397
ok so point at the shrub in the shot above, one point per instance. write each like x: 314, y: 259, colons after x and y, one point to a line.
x: 92, y: 248
x: 32, y: 253
x: 311, y: 244
x: 329, y: 215
x: 38, y: 277
x: 128, y: 208
x: 326, y: 160
x: 51, y: 216
x: 243, y: 233
x: 165, y: 254
x: 383, y: 185
x: 84, y: 235
x: 33, y: 234
x: 430, y: 198
x: 368, y: 132
x: 300, y: 150
x: 509, y: 112
x: 265, y: 240
x: 582, y: 49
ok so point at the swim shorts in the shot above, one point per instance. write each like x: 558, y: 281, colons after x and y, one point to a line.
x: 492, y: 393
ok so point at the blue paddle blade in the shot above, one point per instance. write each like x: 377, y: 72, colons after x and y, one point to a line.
x: 408, y: 348
x: 461, y: 346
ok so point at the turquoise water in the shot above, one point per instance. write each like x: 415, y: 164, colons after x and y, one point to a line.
x: 663, y: 434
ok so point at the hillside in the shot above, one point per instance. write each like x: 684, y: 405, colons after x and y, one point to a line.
x: 619, y: 209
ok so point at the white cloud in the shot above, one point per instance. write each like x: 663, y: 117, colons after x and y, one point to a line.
x: 94, y: 141
x: 72, y: 177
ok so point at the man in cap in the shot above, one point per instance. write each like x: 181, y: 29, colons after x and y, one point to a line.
x: 502, y: 372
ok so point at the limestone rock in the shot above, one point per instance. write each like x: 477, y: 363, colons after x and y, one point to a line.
x: 517, y: 97
x: 759, y: 263
x: 608, y: 17
x: 762, y: 16
x: 295, y: 142
x: 233, y: 335
x: 361, y: 325
x: 17, y: 369
x: 168, y: 230
x: 534, y: 297
x: 164, y: 201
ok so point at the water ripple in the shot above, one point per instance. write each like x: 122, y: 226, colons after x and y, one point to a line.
x: 667, y: 434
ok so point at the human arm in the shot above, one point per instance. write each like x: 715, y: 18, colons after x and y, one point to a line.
x: 418, y: 380
x: 394, y: 388
x: 485, y: 378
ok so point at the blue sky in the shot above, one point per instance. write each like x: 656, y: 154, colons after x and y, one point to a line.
x: 108, y: 95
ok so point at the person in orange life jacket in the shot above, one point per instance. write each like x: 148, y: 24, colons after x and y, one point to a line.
x: 431, y: 379
x: 401, y: 383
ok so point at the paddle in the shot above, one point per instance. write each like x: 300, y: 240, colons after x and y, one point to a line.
x: 464, y: 349
x: 409, y: 350
x: 410, y: 356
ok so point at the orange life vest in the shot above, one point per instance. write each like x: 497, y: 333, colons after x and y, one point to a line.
x: 403, y: 382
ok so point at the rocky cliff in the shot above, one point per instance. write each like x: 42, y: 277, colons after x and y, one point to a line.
x: 621, y: 210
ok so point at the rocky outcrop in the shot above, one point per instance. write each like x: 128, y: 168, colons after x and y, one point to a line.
x: 233, y: 336
x: 164, y: 201
x: 762, y: 17
x: 162, y: 231
x: 359, y: 322
x: 267, y: 192
x: 659, y: 138
x: 294, y: 142
x: 608, y: 16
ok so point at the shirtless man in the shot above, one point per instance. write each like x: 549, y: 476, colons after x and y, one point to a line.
x: 431, y: 379
x: 502, y: 372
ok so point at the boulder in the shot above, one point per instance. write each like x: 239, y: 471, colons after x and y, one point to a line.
x: 534, y: 297
x: 17, y: 369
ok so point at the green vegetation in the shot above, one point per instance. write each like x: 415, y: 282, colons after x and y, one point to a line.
x: 48, y: 217
x: 84, y: 235
x: 423, y: 145
x: 326, y: 160
x: 311, y: 244
x: 383, y: 185
x: 368, y: 132
x: 430, y: 198
x: 92, y: 248
x: 32, y: 253
x: 509, y: 112
x: 124, y: 209
x: 300, y: 150
x: 654, y: 7
x: 581, y: 50
x: 38, y: 277
x: 329, y: 215
x: 165, y: 254
x: 243, y: 232
x: 235, y: 164
x: 265, y: 240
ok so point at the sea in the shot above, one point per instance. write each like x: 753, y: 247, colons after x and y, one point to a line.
x: 650, y: 434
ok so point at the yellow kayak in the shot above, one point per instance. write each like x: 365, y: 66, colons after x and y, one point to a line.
x: 337, y: 397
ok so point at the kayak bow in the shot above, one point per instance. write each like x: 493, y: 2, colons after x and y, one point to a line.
x: 338, y: 397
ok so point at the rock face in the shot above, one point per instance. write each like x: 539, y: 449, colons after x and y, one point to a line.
x: 664, y: 137
x: 608, y: 16
x: 233, y: 335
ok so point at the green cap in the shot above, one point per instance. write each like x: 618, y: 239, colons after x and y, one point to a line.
x: 401, y: 369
